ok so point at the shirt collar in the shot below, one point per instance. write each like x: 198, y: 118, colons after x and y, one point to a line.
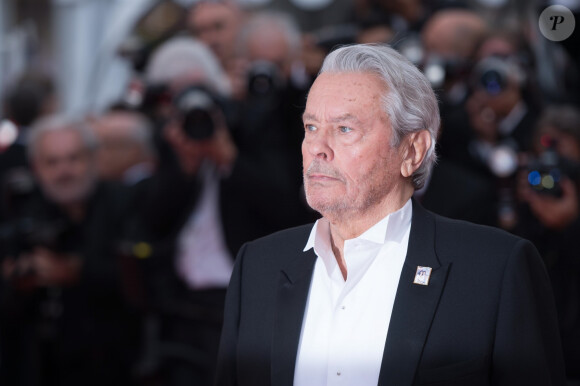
x: 390, y: 228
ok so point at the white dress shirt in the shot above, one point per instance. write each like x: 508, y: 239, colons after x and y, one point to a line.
x: 346, y: 322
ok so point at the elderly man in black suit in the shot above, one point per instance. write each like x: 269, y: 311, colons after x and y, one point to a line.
x: 380, y: 290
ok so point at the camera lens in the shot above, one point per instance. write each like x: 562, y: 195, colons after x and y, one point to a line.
x: 493, y: 81
x: 196, y: 106
x: 263, y: 78
x: 491, y: 75
x: 198, y: 124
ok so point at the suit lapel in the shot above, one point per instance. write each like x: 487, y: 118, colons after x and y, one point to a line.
x: 293, y: 287
x: 415, y: 304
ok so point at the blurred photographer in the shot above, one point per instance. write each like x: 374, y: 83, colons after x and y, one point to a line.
x: 449, y: 39
x: 273, y: 63
x: 548, y: 189
x: 64, y: 321
x: 188, y: 100
x: 503, y: 105
x: 445, y: 53
x: 502, y: 109
x: 217, y: 24
x: 270, y: 123
x: 235, y: 188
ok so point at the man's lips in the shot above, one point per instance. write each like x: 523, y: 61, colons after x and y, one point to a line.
x: 321, y: 177
x: 322, y: 173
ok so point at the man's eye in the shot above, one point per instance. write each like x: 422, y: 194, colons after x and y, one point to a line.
x: 310, y: 127
x: 345, y: 129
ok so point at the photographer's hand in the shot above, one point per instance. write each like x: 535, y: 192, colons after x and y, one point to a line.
x: 555, y: 212
x: 54, y: 269
x: 19, y: 272
x: 188, y: 152
x: 220, y: 148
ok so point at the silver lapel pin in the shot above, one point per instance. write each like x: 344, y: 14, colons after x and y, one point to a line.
x: 422, y: 275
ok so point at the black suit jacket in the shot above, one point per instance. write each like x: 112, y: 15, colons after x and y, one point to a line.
x: 487, y: 316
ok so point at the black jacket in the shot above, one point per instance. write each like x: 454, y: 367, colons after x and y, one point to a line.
x: 487, y: 316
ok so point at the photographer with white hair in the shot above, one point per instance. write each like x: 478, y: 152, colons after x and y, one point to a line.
x: 229, y: 192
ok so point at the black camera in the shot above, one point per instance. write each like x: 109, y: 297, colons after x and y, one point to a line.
x: 24, y: 234
x: 264, y: 78
x: 493, y: 73
x: 547, y: 170
x: 198, y: 107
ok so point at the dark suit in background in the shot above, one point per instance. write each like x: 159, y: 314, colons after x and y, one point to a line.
x: 79, y: 334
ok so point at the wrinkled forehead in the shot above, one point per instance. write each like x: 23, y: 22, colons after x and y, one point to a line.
x: 346, y: 90
x: 117, y: 124
x: 61, y: 142
x: 354, y: 81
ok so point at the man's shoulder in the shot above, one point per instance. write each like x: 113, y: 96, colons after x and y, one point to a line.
x: 457, y: 228
x: 270, y: 253
x: 458, y: 236
x: 295, y: 236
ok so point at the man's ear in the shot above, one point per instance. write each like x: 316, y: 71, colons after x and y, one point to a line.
x: 416, y: 147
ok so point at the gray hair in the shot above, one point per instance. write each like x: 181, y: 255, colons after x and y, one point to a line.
x: 58, y: 123
x: 409, y: 100
x: 183, y: 54
x: 265, y: 21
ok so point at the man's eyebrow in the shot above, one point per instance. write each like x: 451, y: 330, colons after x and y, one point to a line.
x: 340, y: 118
x: 345, y: 117
x: 308, y: 117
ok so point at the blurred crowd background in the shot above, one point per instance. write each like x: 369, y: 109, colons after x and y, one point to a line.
x: 143, y: 142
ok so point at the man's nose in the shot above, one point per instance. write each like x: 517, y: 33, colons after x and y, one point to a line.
x: 319, y: 146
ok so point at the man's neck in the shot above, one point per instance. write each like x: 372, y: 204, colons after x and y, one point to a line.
x: 346, y: 226
x: 76, y: 212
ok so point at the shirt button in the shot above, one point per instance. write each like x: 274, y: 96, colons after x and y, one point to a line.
x: 342, y: 307
x: 338, y: 373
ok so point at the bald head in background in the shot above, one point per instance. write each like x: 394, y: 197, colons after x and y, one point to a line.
x: 453, y: 33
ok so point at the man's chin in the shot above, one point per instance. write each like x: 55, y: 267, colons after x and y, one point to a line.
x: 69, y: 196
x: 67, y: 199
x: 324, y: 206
